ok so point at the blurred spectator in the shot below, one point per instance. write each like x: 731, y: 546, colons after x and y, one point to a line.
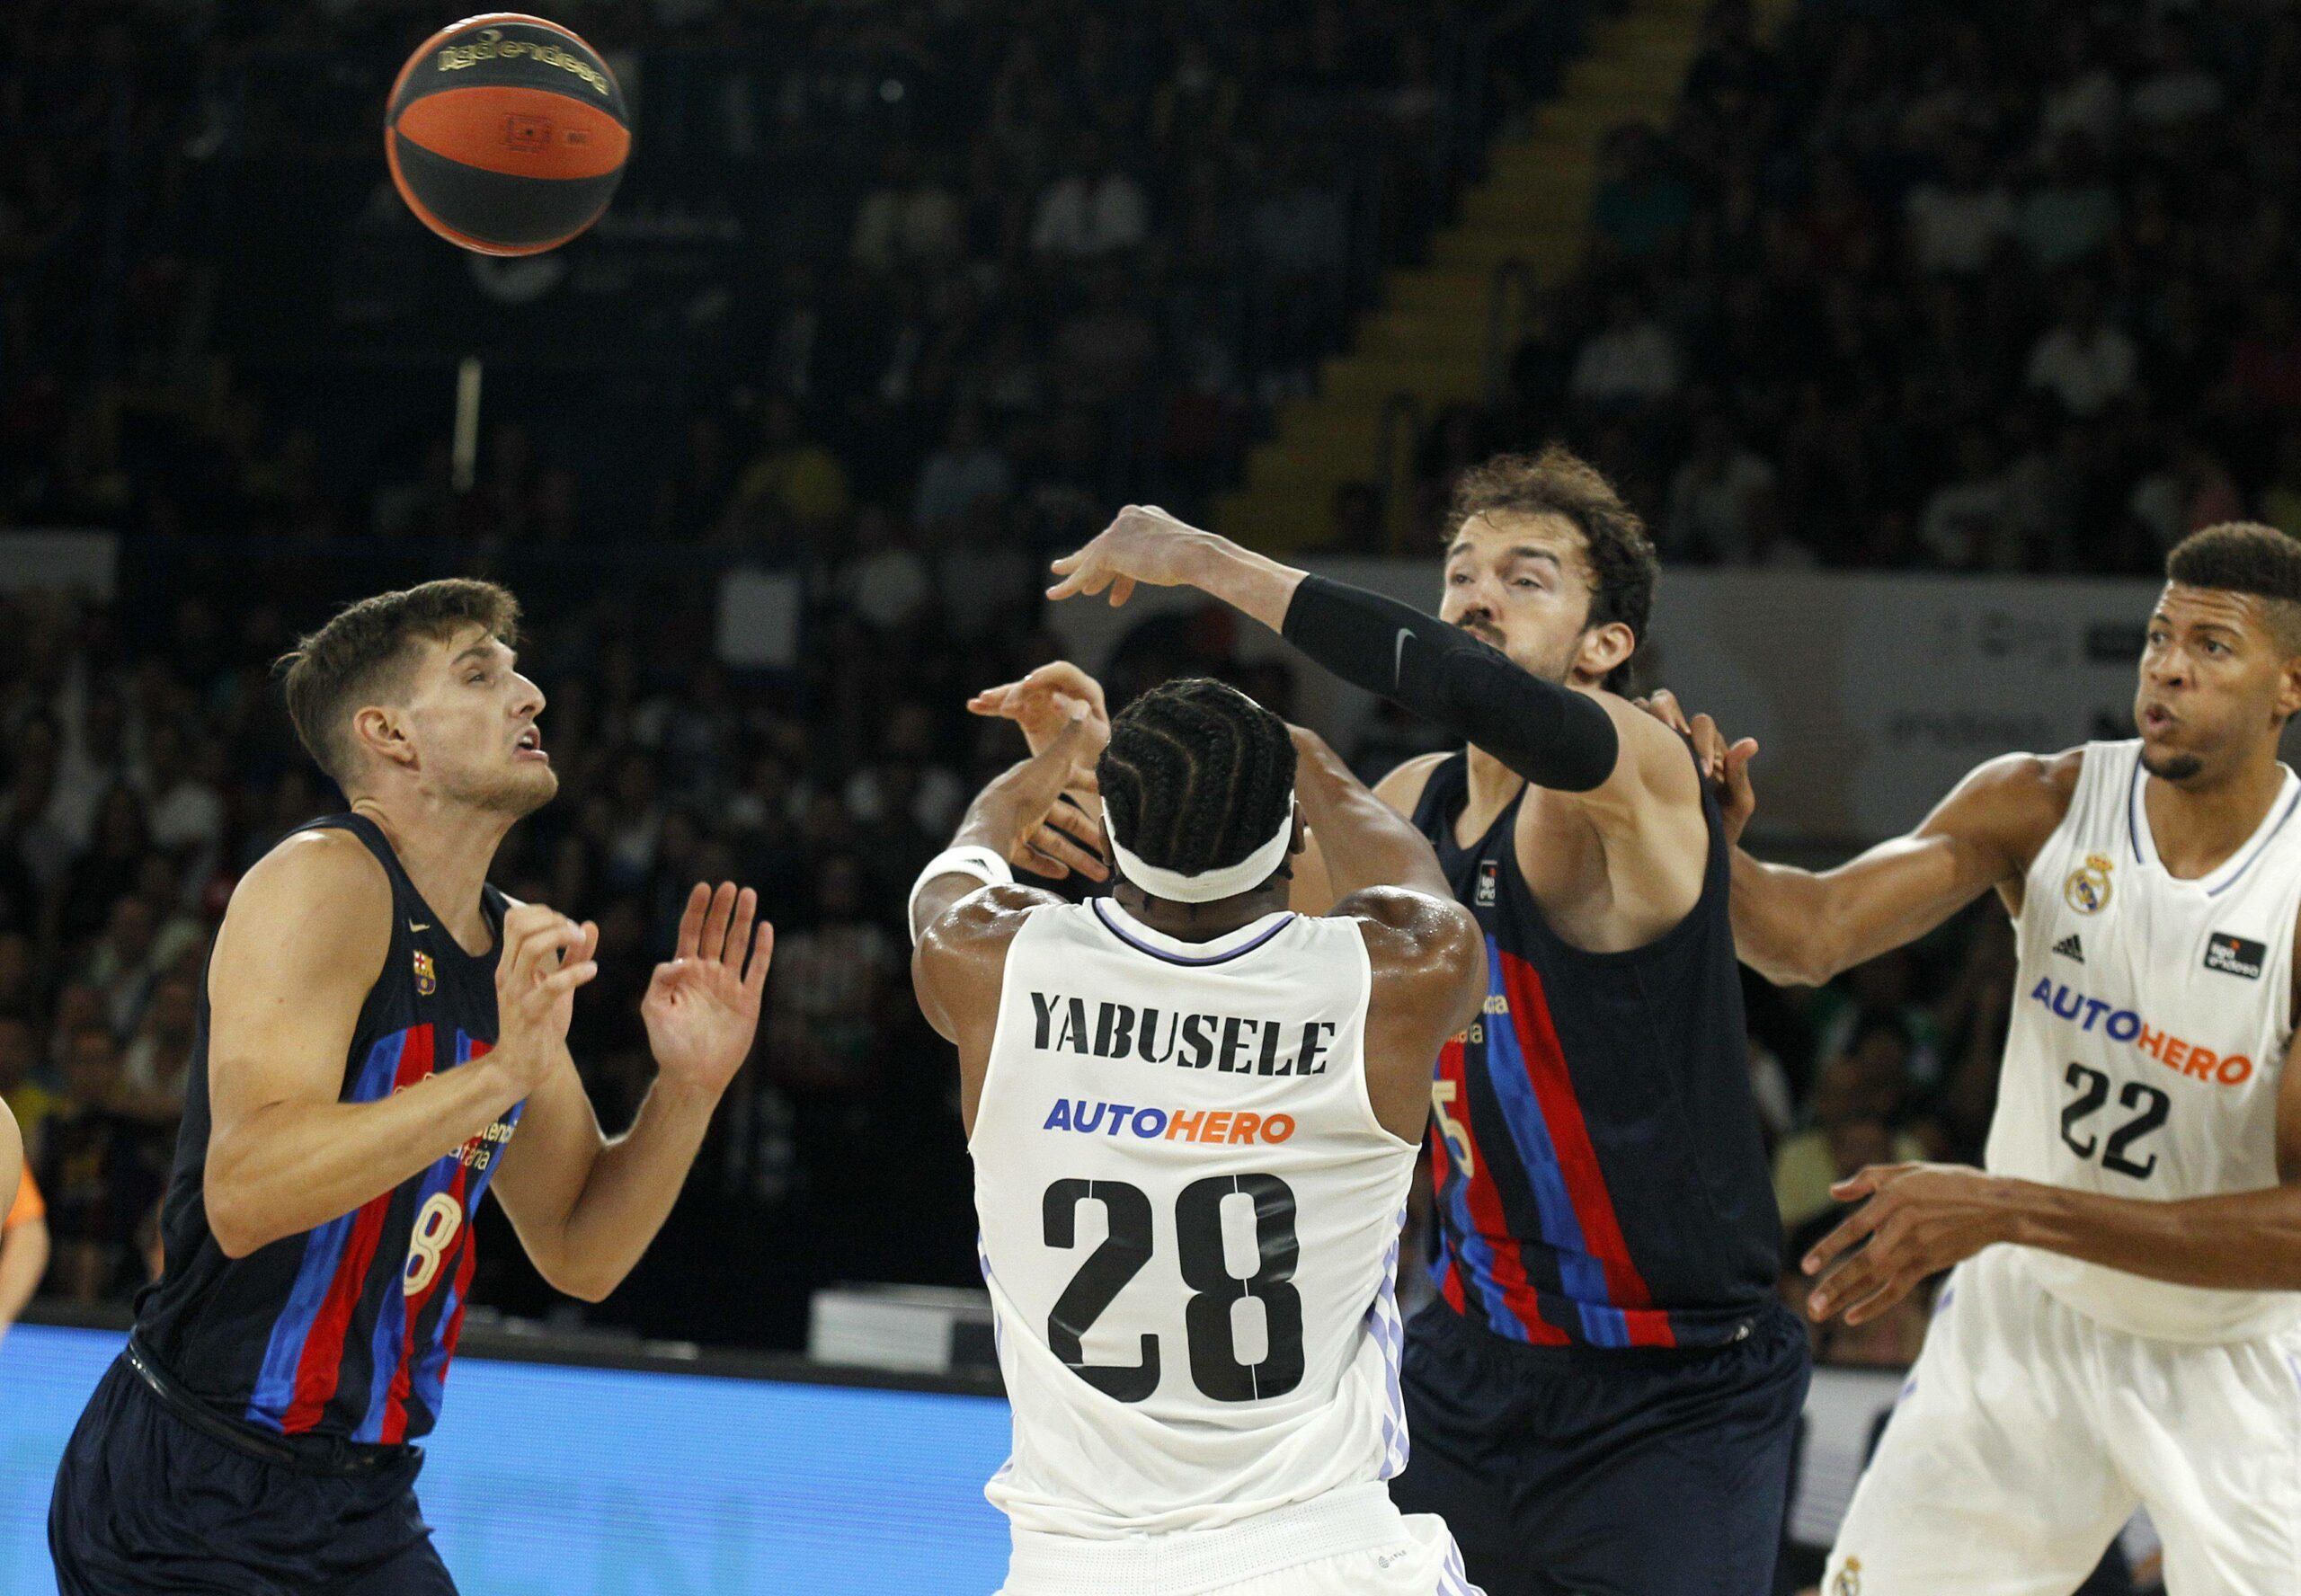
x: 1856, y: 1096
x: 2072, y: 215
x: 158, y: 1058
x: 2084, y: 361
x: 826, y: 1005
x: 909, y: 217
x: 966, y: 469
x: 1721, y: 499
x: 1641, y: 207
x: 1958, y: 221
x: 99, y: 1169
x: 1630, y: 361
x: 792, y: 476
x: 1094, y: 208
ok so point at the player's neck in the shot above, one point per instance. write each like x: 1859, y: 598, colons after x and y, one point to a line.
x: 445, y: 850
x: 2198, y: 824
x: 1491, y: 787
x: 1198, y: 922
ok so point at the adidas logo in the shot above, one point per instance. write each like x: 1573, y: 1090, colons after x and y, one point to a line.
x: 2069, y: 948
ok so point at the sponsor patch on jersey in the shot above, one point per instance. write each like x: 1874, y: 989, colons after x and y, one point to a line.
x: 427, y: 975
x: 2234, y: 955
x: 1225, y: 1127
x: 1487, y: 885
x: 2124, y: 1025
x: 2069, y: 948
x: 2087, y: 890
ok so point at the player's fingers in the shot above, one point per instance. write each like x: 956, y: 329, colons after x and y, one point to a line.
x: 714, y: 922
x: 699, y: 899
x: 1857, y: 1226
x: 1052, y: 844
x: 1068, y: 563
x: 586, y: 945
x: 537, y: 951
x: 739, y: 931
x: 1053, y: 853
x: 762, y: 956
x: 1069, y: 586
x: 1889, y: 1290
x: 569, y: 977
x: 1122, y: 591
x: 1850, y: 1282
x: 1083, y: 820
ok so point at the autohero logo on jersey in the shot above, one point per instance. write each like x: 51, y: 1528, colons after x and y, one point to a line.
x: 1230, y: 1045
x: 1224, y: 1127
x: 2234, y: 955
x: 2123, y: 1025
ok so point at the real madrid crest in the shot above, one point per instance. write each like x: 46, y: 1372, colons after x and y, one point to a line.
x: 427, y: 977
x: 1849, y: 1578
x: 2087, y: 890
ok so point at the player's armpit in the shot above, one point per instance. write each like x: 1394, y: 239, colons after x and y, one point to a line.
x: 958, y: 971
x: 1799, y: 927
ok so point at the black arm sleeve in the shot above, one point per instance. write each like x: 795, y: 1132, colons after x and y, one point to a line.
x: 1551, y: 735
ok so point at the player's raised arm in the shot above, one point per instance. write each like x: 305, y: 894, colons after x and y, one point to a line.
x: 1546, y: 732
x: 587, y: 1207
x: 1799, y: 928
x: 303, y: 941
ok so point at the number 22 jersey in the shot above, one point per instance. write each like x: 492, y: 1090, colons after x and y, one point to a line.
x: 1190, y: 1223
x: 2150, y: 1021
x: 346, y: 1330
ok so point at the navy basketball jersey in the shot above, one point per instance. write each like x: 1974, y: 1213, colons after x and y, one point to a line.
x: 1600, y: 1176
x: 345, y: 1330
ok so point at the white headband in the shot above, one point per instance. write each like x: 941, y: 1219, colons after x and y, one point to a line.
x: 1207, y: 885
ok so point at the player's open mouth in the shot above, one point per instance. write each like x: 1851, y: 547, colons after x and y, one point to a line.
x: 2156, y: 720
x: 530, y: 745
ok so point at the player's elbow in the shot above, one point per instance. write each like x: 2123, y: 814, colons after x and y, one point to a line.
x: 235, y: 1217
x: 585, y: 1285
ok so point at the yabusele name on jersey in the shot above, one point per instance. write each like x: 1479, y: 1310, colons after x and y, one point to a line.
x: 1231, y: 1044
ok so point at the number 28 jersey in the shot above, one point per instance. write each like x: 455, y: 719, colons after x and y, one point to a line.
x: 347, y: 1329
x: 1190, y: 1223
x: 2150, y: 1021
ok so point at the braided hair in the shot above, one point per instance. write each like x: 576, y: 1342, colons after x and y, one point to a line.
x: 1197, y: 776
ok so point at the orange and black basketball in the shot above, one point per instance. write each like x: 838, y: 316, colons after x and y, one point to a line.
x: 506, y: 134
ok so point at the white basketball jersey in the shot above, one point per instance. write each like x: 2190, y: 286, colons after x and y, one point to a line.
x: 2150, y: 1022
x: 1190, y: 1223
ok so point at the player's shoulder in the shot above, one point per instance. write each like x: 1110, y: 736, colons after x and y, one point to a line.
x: 983, y: 921
x: 1402, y: 789
x: 1408, y: 932
x: 2040, y: 781
x: 324, y: 880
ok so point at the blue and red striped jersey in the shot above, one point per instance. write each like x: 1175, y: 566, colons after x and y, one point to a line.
x: 346, y: 1330
x: 1600, y: 1171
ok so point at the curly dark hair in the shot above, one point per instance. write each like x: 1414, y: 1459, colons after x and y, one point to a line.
x: 1197, y: 776
x: 2245, y: 557
x: 1622, y: 566
x: 360, y: 656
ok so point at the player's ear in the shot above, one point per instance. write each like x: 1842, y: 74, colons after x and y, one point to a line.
x: 2288, y: 686
x: 382, y: 731
x: 1301, y: 837
x: 1603, y: 649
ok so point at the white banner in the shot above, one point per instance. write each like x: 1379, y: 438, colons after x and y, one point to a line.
x: 1870, y: 695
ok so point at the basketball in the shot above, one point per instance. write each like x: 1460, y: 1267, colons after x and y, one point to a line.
x: 506, y: 134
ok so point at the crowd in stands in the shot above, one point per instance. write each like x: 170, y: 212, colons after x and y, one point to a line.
x: 2001, y: 288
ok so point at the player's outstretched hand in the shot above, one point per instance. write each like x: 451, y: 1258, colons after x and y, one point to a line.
x: 1045, y: 824
x: 1040, y: 703
x: 702, y: 1009
x: 1071, y: 837
x: 1143, y: 544
x: 1920, y: 1219
x: 545, y: 957
x: 1725, y: 766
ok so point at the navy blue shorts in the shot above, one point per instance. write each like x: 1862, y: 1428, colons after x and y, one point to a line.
x: 147, y: 1502
x: 1580, y: 1472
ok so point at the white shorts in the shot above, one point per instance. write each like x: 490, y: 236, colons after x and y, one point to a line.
x: 1389, y: 1554
x: 2028, y: 1431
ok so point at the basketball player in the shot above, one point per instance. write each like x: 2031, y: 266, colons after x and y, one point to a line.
x: 382, y: 1038
x: 1193, y: 1116
x: 1608, y: 1338
x: 2137, y: 1339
